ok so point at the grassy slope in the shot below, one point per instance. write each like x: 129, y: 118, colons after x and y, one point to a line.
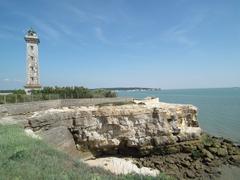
x: 22, y: 157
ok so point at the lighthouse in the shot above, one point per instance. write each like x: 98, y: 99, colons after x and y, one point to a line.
x: 32, y: 66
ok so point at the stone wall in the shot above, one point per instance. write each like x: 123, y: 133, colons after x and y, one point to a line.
x: 23, y: 108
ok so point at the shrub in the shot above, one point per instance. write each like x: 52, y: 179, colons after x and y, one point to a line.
x: 75, y: 92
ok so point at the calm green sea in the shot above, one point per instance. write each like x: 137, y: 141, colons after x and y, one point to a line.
x: 219, y: 109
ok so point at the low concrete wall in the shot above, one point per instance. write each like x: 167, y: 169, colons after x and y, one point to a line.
x: 22, y: 108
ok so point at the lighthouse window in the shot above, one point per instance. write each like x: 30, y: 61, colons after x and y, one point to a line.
x: 31, y: 57
x: 32, y: 68
x: 32, y: 78
x: 31, y: 47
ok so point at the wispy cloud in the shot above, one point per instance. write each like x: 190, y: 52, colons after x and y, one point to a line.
x: 63, y: 28
x: 87, y: 16
x: 180, y: 32
x: 9, y: 80
x: 179, y: 35
x: 45, y: 27
x: 81, y: 15
x: 101, y: 36
x: 121, y: 41
x: 41, y: 24
x: 6, y: 79
x: 51, y: 29
x: 8, y: 32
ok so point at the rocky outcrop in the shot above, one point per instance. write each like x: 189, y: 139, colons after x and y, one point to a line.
x: 204, y: 160
x: 160, y: 136
x: 133, y: 129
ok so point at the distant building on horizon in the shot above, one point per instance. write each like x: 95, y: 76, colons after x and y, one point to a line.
x: 33, y: 82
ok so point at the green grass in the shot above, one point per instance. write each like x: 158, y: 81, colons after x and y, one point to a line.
x: 24, y: 158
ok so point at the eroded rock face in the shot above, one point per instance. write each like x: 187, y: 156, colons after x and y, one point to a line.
x: 137, y: 129
x: 160, y: 136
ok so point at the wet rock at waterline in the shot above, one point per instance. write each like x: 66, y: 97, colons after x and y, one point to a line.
x: 204, y: 161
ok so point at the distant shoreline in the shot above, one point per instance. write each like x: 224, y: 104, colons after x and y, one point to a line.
x: 137, y: 89
x: 132, y: 89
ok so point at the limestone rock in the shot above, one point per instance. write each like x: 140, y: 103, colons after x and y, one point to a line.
x: 136, y: 128
x: 222, y: 152
x: 121, y: 166
x: 207, y: 154
x: 190, y: 174
x: 235, y: 159
x: 61, y: 138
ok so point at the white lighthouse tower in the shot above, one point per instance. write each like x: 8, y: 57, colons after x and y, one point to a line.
x: 32, y: 41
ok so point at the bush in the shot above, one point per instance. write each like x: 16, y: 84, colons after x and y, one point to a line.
x: 103, y: 93
x: 75, y: 92
x: 1, y: 99
x: 51, y: 93
x: 19, y: 91
x: 11, y: 98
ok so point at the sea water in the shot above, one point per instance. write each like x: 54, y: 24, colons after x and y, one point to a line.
x: 219, y: 109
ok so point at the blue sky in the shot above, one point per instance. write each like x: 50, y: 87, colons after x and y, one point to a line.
x: 109, y: 43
